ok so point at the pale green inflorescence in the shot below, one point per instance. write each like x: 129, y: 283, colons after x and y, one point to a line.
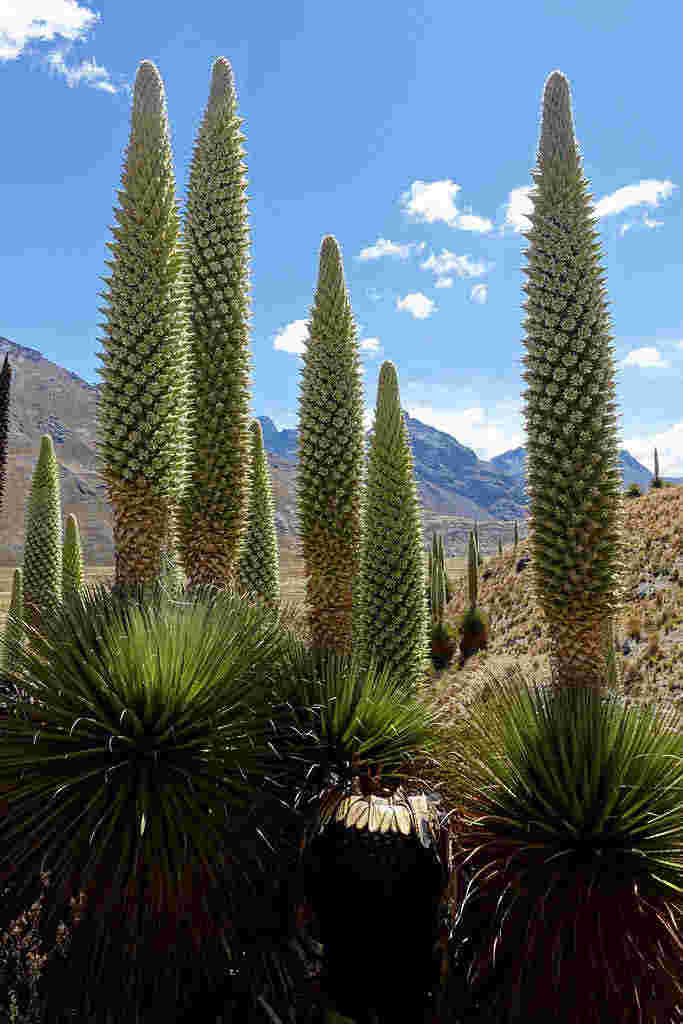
x: 13, y: 628
x: 472, y: 569
x: 73, y: 575
x: 213, y: 515
x: 43, y: 536
x: 437, y: 577
x: 573, y: 451
x: 331, y: 454
x: 142, y: 403
x: 259, y: 567
x: 393, y: 617
x: 5, y: 382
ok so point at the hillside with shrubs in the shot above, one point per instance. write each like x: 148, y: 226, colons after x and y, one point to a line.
x: 649, y: 629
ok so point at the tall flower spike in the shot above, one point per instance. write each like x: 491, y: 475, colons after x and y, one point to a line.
x: 14, y: 629
x: 213, y: 517
x: 5, y: 380
x: 141, y: 410
x: 259, y: 569
x: 393, y: 621
x: 331, y: 454
x: 42, y: 576
x: 72, y: 560
x: 572, y: 452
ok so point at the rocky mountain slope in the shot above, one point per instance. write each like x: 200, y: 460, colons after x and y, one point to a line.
x: 455, y: 487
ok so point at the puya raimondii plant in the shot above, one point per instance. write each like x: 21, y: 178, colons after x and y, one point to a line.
x: 73, y: 573
x: 142, y: 402
x: 572, y: 449
x: 259, y: 566
x: 439, y: 585
x: 331, y: 454
x: 5, y: 381
x: 43, y: 536
x: 442, y: 637
x: 572, y: 827
x: 392, y: 619
x: 14, y: 630
x: 213, y: 511
x: 656, y: 479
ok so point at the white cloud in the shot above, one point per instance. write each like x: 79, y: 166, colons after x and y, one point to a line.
x: 89, y: 72
x: 479, y: 293
x: 646, y: 358
x: 383, y: 247
x: 417, y: 304
x: 518, y: 208
x: 294, y: 337
x: 371, y: 345
x: 443, y: 282
x: 435, y: 200
x: 25, y: 21
x: 448, y: 261
x: 648, y: 192
x: 669, y: 445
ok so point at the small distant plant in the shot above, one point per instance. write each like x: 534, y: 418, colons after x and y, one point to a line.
x: 443, y: 641
x: 473, y: 623
x: 656, y: 480
x: 5, y: 381
x: 634, y: 491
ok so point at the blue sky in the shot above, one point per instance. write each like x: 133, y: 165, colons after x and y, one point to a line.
x: 409, y: 133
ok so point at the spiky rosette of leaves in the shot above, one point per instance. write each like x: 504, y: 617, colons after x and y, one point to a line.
x: 43, y: 536
x: 331, y: 454
x: 572, y: 450
x: 259, y: 568
x: 14, y: 630
x: 570, y: 832
x: 213, y: 512
x: 393, y: 617
x: 141, y: 408
x: 73, y: 574
x: 147, y: 725
x: 5, y: 381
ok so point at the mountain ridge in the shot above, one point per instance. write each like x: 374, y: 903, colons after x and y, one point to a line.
x: 455, y: 486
